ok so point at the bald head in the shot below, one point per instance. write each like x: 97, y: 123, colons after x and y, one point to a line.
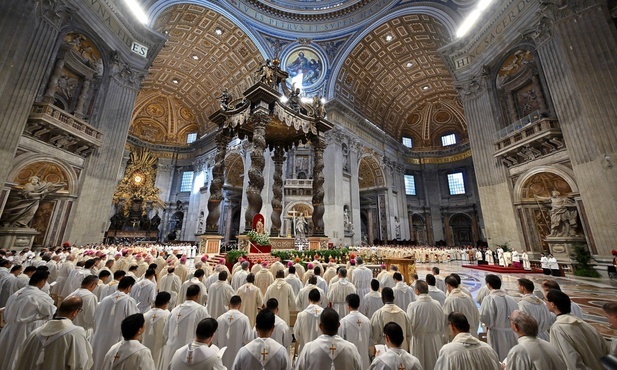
x: 70, y: 307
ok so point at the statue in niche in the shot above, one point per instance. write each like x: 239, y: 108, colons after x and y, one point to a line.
x: 22, y: 204
x: 345, y: 150
x: 348, y: 225
x: 397, y: 227
x: 155, y: 221
x: 200, y: 223
x: 294, y: 99
x: 301, y: 226
x: 563, y: 215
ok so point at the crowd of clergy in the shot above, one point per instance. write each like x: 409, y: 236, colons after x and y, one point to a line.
x: 143, y: 308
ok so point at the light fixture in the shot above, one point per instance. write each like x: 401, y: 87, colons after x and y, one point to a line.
x: 175, y: 81
x: 389, y: 38
x: 283, y: 99
x: 409, y: 65
x: 425, y: 87
x: 472, y: 18
x: 218, y: 31
x: 323, y: 100
x: 137, y: 11
x: 306, y: 100
x: 195, y: 57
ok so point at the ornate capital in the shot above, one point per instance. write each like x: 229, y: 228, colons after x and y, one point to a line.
x: 125, y: 74
x: 471, y: 89
x: 56, y: 12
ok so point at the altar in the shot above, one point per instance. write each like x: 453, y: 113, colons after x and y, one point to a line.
x: 406, y: 266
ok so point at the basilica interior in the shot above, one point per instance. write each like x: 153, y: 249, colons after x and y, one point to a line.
x: 450, y: 122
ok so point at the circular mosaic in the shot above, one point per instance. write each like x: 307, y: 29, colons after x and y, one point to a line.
x: 305, y: 65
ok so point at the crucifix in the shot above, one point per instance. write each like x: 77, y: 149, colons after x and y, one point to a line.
x: 264, y: 353
x: 293, y: 213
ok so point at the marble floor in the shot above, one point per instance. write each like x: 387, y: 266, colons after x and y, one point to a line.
x: 590, y: 294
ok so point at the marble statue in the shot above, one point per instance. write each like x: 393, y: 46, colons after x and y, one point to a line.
x: 200, y: 223
x: 23, y: 203
x: 294, y: 99
x: 225, y: 100
x: 301, y: 226
x: 563, y: 215
x: 348, y: 225
x: 397, y: 227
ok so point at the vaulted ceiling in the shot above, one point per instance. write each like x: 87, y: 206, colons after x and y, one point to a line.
x: 394, y: 76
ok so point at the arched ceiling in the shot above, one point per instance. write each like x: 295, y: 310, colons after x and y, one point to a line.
x: 418, y: 100
x: 197, y: 62
x: 396, y: 69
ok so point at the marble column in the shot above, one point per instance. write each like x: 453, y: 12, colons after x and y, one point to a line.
x: 256, y: 177
x: 52, y: 85
x: 90, y: 218
x: 216, y: 184
x: 28, y: 33
x: 82, y: 99
x: 577, y: 46
x: 277, y: 191
x: 493, y: 189
x: 318, y: 186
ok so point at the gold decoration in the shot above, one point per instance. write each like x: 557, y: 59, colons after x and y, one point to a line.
x: 138, y: 181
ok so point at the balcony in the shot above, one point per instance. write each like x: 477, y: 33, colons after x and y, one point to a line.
x: 298, y: 187
x: 527, y: 140
x: 63, y: 130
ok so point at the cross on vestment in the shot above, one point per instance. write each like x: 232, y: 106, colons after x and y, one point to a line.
x: 190, y: 357
x: 264, y: 353
x: 359, y: 322
x: 401, y: 367
x: 117, y: 356
x: 179, y: 314
x: 231, y: 318
x: 153, y: 317
x: 332, y: 349
x: 117, y: 296
x: 316, y: 311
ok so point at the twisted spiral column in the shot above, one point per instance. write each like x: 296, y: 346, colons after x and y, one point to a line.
x: 277, y: 191
x: 256, y: 177
x: 318, y: 190
x: 216, y: 185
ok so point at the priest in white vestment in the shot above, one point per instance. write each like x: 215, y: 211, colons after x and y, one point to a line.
x: 6, y: 282
x: 171, y: 284
x: 433, y: 291
x: 181, y: 324
x: 282, y: 332
x: 329, y: 350
x: 403, y: 293
x: 465, y: 351
x: 386, y: 280
x: 200, y: 353
x: 389, y: 312
x: 293, y: 280
x: 610, y: 310
x: 234, y: 331
x: 26, y: 310
x: 156, y: 318
x: 129, y: 354
x: 575, y: 309
x: 252, y: 300
x: 306, y: 328
x: 428, y: 323
x: 394, y: 357
x: 263, y: 279
x: 86, y: 317
x: 457, y: 301
x: 144, y: 292
x: 495, y: 311
x: 220, y: 294
x: 195, y: 280
x: 239, y: 277
x: 109, y: 315
x: 263, y: 352
x: 362, y: 277
x: 531, y: 352
x: 284, y: 294
x: 356, y: 328
x: 321, y: 282
x: 439, y: 281
x: 580, y: 344
x: 302, y: 300
x: 535, y: 307
x: 371, y: 302
x: 338, y: 292
x: 58, y: 344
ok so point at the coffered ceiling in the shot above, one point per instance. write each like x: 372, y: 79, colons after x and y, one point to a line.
x: 394, y: 76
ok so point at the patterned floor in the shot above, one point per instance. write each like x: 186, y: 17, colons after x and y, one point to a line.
x: 590, y: 294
